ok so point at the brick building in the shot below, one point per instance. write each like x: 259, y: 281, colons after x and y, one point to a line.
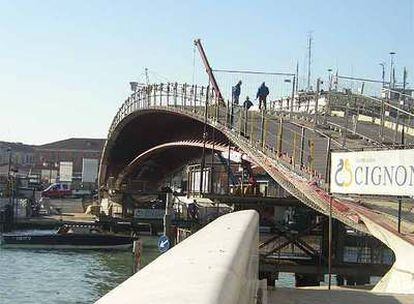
x: 44, y: 159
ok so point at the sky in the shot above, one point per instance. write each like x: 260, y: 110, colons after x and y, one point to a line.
x: 65, y: 65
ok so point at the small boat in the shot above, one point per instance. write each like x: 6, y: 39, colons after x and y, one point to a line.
x: 69, y: 237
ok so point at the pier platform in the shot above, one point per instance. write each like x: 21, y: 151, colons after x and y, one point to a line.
x: 338, y: 295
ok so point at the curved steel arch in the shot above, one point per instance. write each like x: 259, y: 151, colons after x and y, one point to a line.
x: 141, y: 158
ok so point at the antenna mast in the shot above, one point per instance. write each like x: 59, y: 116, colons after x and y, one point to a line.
x: 146, y: 76
x: 309, y: 58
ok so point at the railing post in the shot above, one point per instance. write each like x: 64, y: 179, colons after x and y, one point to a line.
x: 160, y: 90
x: 155, y: 95
x: 252, y: 130
x: 240, y: 124
x: 150, y: 88
x: 217, y: 104
x: 295, y: 135
x: 191, y: 97
x: 318, y: 83
x: 345, y: 128
x: 293, y: 95
x: 328, y: 164
x: 185, y: 94
x: 262, y: 133
x: 311, y: 155
x: 397, y: 120
x: 246, y: 116
x: 168, y: 94
x: 382, y: 122
x: 280, y: 138
x: 201, y: 98
x: 175, y: 94
x: 195, y: 98
x: 228, y: 113
x: 302, y: 147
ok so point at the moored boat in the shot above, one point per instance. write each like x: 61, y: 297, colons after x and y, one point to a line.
x: 69, y: 237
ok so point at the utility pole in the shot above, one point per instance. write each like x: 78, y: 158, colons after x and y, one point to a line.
x: 309, y: 59
x: 382, y: 64
x: 391, y: 85
x: 297, y: 76
x: 146, y: 76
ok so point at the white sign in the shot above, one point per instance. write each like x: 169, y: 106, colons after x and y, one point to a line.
x: 89, y: 170
x: 389, y: 172
x: 65, y: 171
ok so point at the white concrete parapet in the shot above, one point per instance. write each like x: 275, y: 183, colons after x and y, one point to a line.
x: 400, y: 278
x: 218, y: 264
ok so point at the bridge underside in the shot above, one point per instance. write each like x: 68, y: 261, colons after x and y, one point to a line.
x: 140, y: 133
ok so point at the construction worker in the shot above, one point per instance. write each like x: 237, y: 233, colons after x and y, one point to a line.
x: 247, y: 104
x: 236, y: 90
x: 262, y: 94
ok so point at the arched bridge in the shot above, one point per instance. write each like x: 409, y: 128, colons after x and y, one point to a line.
x: 172, y: 123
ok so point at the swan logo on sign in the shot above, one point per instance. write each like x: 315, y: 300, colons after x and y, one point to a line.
x: 343, y: 173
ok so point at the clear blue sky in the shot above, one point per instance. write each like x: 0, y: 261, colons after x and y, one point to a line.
x: 65, y: 65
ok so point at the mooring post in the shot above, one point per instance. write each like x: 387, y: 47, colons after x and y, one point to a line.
x: 167, y: 216
x: 137, y: 251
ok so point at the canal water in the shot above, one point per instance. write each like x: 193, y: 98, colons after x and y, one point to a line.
x: 64, y: 276
x: 73, y: 277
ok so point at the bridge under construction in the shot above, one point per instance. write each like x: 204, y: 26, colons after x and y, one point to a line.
x: 161, y: 128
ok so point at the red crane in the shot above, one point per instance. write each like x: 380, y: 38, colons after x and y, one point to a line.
x: 212, y: 79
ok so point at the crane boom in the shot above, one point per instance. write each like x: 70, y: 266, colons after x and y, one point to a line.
x: 212, y: 79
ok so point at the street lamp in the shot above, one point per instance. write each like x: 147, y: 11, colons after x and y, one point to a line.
x: 329, y: 79
x: 134, y: 86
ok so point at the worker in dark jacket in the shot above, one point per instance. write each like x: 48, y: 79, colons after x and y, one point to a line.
x: 262, y: 93
x: 247, y: 104
x: 236, y: 90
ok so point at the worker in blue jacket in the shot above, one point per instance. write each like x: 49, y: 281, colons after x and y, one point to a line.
x: 262, y: 94
x: 236, y: 90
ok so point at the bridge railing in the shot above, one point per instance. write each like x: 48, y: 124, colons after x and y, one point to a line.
x: 373, y: 100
